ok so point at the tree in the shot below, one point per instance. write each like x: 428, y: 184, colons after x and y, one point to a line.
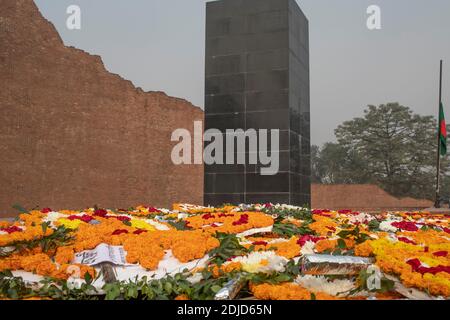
x: 342, y: 166
x: 389, y: 146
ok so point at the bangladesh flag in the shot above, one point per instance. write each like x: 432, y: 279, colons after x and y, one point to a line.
x: 442, y: 131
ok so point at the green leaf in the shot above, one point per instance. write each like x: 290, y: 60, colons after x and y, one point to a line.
x: 19, y: 208
x: 216, y: 288
x: 341, y: 244
x: 179, y: 225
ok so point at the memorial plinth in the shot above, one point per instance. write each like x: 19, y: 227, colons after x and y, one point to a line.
x: 257, y: 77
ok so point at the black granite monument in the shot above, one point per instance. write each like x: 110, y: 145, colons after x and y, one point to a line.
x: 257, y: 77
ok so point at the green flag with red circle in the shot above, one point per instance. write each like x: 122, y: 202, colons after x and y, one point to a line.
x: 442, y: 131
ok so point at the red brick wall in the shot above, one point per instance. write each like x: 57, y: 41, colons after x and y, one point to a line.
x: 74, y: 135
x: 361, y: 197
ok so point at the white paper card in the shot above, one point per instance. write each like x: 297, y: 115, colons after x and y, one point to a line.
x: 102, y: 253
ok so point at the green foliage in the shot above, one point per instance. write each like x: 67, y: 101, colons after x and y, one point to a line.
x: 229, y: 247
x: 291, y: 272
x: 301, y: 214
x: 20, y: 208
x: 287, y: 230
x: 60, y: 237
x: 179, y: 225
x: 374, y: 225
x: 11, y: 287
x: 355, y: 234
x: 386, y: 285
x: 15, y: 288
x: 389, y: 146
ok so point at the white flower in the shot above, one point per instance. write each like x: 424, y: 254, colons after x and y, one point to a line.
x: 53, y: 216
x: 308, y: 248
x: 196, y: 278
x: 321, y: 284
x: 264, y: 262
x: 361, y: 218
x: 387, y: 226
x: 157, y: 225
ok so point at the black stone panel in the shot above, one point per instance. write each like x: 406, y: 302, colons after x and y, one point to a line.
x: 219, y: 199
x: 268, y: 197
x: 284, y: 161
x: 267, y: 100
x: 256, y: 183
x: 225, y: 121
x: 257, y: 77
x: 224, y: 183
x: 225, y: 84
x: 225, y: 103
x: 275, y: 80
x: 270, y: 119
x: 232, y: 8
x: 229, y: 64
x: 267, y: 60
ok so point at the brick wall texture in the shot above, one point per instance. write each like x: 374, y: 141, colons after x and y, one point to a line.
x: 73, y: 134
x: 365, y: 197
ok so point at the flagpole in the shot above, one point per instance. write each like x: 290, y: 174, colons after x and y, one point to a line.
x: 438, y: 164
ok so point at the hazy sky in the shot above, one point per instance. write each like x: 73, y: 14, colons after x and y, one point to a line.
x: 159, y: 45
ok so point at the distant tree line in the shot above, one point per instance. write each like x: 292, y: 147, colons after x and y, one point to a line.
x: 389, y: 146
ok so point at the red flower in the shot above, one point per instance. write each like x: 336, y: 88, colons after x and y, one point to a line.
x: 121, y: 218
x: 446, y: 230
x: 306, y: 238
x: 404, y: 225
x: 46, y: 210
x: 84, y: 218
x: 119, y: 231
x: 260, y: 243
x: 11, y: 229
x: 426, y: 249
x: 440, y: 253
x: 416, y: 266
x: 153, y: 210
x: 208, y: 216
x: 322, y: 212
x: 242, y: 220
x: 231, y: 258
x: 100, y: 213
x: 268, y: 205
x: 224, y: 215
x: 140, y: 231
x: 406, y: 240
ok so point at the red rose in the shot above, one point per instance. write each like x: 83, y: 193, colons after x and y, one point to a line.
x: 119, y: 231
x: 260, y: 243
x: 153, y: 210
x: 84, y: 218
x: 406, y: 240
x: 242, y: 220
x: 46, y: 210
x: 404, y: 225
x: 207, y: 216
x: 100, y: 213
x: 122, y: 218
x: 324, y: 213
x: 11, y: 229
x: 306, y: 238
x: 440, y: 253
x: 417, y: 267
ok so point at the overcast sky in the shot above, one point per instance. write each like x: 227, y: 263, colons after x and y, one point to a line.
x: 159, y: 45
